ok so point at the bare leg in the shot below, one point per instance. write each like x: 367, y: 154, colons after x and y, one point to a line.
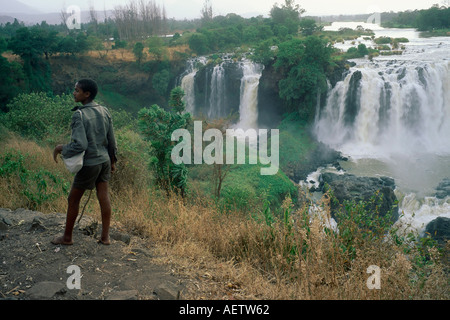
x: 105, y: 207
x: 75, y: 196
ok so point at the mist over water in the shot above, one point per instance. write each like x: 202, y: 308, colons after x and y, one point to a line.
x: 391, y: 116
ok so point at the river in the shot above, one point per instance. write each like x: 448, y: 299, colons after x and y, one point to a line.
x: 391, y: 117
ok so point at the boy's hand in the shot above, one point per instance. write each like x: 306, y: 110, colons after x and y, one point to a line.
x: 58, y: 150
x: 113, y: 167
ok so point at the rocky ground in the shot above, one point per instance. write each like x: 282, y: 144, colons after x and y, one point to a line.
x: 32, y: 268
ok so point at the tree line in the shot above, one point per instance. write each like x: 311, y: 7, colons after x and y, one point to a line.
x: 138, y: 25
x: 436, y: 17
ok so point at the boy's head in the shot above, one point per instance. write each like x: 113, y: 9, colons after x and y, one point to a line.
x: 85, y: 90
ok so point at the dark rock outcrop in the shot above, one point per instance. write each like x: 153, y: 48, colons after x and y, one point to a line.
x: 439, y: 230
x: 348, y: 187
x: 443, y: 189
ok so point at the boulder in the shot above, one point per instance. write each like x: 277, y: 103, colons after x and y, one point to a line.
x: 167, y: 291
x: 45, y: 290
x: 36, y: 225
x: 443, y: 189
x: 439, y: 230
x: 348, y: 187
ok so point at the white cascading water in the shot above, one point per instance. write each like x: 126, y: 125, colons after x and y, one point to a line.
x: 188, y: 82
x: 248, y: 108
x: 400, y: 109
x: 217, y: 98
x: 396, y: 121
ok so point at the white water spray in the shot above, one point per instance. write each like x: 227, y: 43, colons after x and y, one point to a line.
x: 248, y: 108
x: 392, y: 117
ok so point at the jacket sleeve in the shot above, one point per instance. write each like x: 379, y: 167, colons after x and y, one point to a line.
x: 79, y: 142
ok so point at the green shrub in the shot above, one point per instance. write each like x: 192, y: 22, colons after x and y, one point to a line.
x: 37, y: 115
x: 37, y: 186
x: 383, y: 40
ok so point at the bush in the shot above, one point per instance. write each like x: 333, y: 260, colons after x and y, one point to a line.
x: 37, y: 115
x: 36, y: 187
x: 383, y: 40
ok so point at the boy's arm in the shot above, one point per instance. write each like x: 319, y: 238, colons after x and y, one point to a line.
x: 79, y: 142
x: 112, y: 145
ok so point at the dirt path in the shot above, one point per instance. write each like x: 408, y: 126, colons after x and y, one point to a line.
x: 32, y: 268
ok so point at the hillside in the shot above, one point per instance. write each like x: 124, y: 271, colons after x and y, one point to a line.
x: 124, y: 85
x: 203, y: 230
x: 14, y: 6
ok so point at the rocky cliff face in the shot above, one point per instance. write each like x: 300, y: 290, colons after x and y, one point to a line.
x: 270, y: 104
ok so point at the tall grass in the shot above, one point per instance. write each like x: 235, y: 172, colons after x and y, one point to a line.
x: 236, y: 255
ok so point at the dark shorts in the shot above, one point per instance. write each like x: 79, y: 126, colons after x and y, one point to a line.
x: 88, y: 177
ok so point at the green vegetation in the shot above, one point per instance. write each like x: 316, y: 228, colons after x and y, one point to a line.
x: 429, y: 20
x: 157, y: 126
x: 303, y: 63
x: 38, y: 115
x: 37, y: 186
x: 229, y: 214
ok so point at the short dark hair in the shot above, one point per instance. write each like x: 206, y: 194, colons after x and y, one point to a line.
x: 88, y: 85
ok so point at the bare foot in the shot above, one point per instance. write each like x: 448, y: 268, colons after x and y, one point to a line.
x: 106, y: 242
x: 60, y: 240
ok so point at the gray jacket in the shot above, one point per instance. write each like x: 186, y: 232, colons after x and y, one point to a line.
x: 92, y: 132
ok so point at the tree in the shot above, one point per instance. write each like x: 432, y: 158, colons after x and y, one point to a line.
x: 207, y: 12
x: 161, y: 81
x: 304, y: 64
x: 157, y: 126
x: 157, y: 49
x: 263, y: 52
x: 198, y: 43
x: 287, y: 15
x: 138, y: 51
x: 30, y: 46
x: 37, y: 115
x: 308, y: 26
x: 362, y: 50
x: 8, y: 85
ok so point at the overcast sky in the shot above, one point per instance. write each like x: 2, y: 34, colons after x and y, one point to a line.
x: 180, y: 9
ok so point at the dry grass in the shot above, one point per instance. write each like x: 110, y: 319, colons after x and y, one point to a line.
x: 229, y: 256
x: 234, y: 256
x: 126, y: 55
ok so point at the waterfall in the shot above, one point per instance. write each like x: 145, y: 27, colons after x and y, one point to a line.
x: 217, y: 98
x: 387, y: 108
x: 392, y: 118
x: 188, y: 82
x: 248, y: 108
x: 222, y: 89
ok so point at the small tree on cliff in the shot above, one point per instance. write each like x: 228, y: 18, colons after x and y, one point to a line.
x: 157, y: 126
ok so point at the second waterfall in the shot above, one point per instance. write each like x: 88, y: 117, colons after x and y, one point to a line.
x: 218, y: 90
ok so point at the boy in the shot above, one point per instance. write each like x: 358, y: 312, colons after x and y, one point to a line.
x: 92, y: 132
